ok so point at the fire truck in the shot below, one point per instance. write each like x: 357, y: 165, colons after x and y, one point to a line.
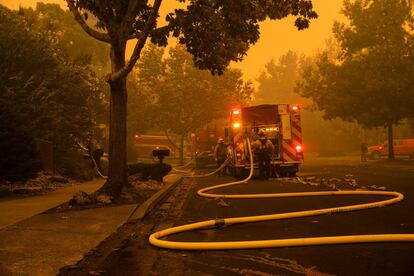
x: 144, y: 144
x: 281, y: 124
x: 204, y: 141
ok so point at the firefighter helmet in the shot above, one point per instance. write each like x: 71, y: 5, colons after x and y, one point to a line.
x: 220, y: 141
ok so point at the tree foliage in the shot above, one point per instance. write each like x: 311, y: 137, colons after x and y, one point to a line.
x: 277, y: 81
x: 214, y: 32
x: 367, y: 76
x: 61, y: 30
x: 144, y: 85
x: 177, y: 97
x: 190, y: 98
x: 49, y: 96
x: 19, y: 159
x: 234, y: 25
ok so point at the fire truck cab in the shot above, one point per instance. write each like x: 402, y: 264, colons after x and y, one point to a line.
x: 281, y: 123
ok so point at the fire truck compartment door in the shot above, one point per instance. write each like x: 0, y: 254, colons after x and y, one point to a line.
x: 286, y: 128
x: 265, y: 114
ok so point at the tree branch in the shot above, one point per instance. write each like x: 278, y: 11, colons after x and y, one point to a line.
x: 132, y: 6
x: 170, y: 141
x: 140, y: 44
x: 78, y: 17
x: 138, y: 36
x: 134, y: 36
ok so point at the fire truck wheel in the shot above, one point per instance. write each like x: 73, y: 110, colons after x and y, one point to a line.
x: 288, y: 172
x: 282, y: 173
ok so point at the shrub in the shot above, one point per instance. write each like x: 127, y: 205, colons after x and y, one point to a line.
x: 19, y: 160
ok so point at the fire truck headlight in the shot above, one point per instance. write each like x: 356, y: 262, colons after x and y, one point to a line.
x: 298, y: 148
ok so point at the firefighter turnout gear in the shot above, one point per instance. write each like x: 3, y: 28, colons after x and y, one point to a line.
x: 220, y: 153
x: 263, y: 150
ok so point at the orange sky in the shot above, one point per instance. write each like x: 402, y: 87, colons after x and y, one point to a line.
x: 277, y: 37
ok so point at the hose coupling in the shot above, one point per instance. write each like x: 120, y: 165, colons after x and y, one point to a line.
x: 218, y: 223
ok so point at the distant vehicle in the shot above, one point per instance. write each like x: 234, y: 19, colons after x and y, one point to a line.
x: 144, y: 144
x: 401, y: 147
x: 282, y: 125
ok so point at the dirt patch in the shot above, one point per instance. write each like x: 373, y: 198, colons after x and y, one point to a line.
x: 44, y: 183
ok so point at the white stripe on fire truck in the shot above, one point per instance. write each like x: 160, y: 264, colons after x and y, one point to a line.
x: 297, y: 136
x: 296, y: 132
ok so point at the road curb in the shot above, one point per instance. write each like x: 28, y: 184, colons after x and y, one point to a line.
x: 143, y: 209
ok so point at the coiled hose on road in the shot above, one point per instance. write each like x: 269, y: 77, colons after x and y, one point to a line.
x: 155, y: 238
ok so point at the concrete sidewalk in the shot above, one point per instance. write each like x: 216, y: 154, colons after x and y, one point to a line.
x: 15, y: 210
x: 42, y: 244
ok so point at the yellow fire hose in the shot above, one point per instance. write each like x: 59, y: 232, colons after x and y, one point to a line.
x: 190, y: 174
x: 185, y: 165
x: 155, y: 238
x: 95, y: 166
x: 180, y: 168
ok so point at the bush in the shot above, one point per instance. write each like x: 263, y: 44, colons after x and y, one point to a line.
x: 43, y: 94
x: 19, y: 160
x: 73, y: 164
x: 145, y: 171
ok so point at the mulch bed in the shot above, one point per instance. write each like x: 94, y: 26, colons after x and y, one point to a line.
x: 44, y: 183
x: 139, y: 193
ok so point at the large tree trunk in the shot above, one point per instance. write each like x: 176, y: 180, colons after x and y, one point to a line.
x: 117, y: 171
x: 390, y: 142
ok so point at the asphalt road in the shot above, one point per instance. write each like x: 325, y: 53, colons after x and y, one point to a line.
x: 358, y: 259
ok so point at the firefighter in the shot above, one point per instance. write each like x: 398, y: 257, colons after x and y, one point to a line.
x: 220, y: 154
x: 95, y: 152
x: 364, y: 152
x: 263, y: 149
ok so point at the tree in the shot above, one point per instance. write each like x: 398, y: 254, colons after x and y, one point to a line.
x: 145, y: 83
x: 61, y: 30
x: 214, y: 32
x: 369, y: 80
x: 277, y: 82
x: 49, y: 97
x: 19, y: 159
x: 192, y: 98
x: 182, y: 98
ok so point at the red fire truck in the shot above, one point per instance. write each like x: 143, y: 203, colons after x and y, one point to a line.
x: 144, y: 144
x: 204, y: 141
x: 281, y: 123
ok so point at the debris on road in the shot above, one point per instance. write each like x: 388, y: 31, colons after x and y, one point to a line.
x: 80, y: 198
x: 222, y: 203
x: 375, y: 187
x: 104, y: 199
